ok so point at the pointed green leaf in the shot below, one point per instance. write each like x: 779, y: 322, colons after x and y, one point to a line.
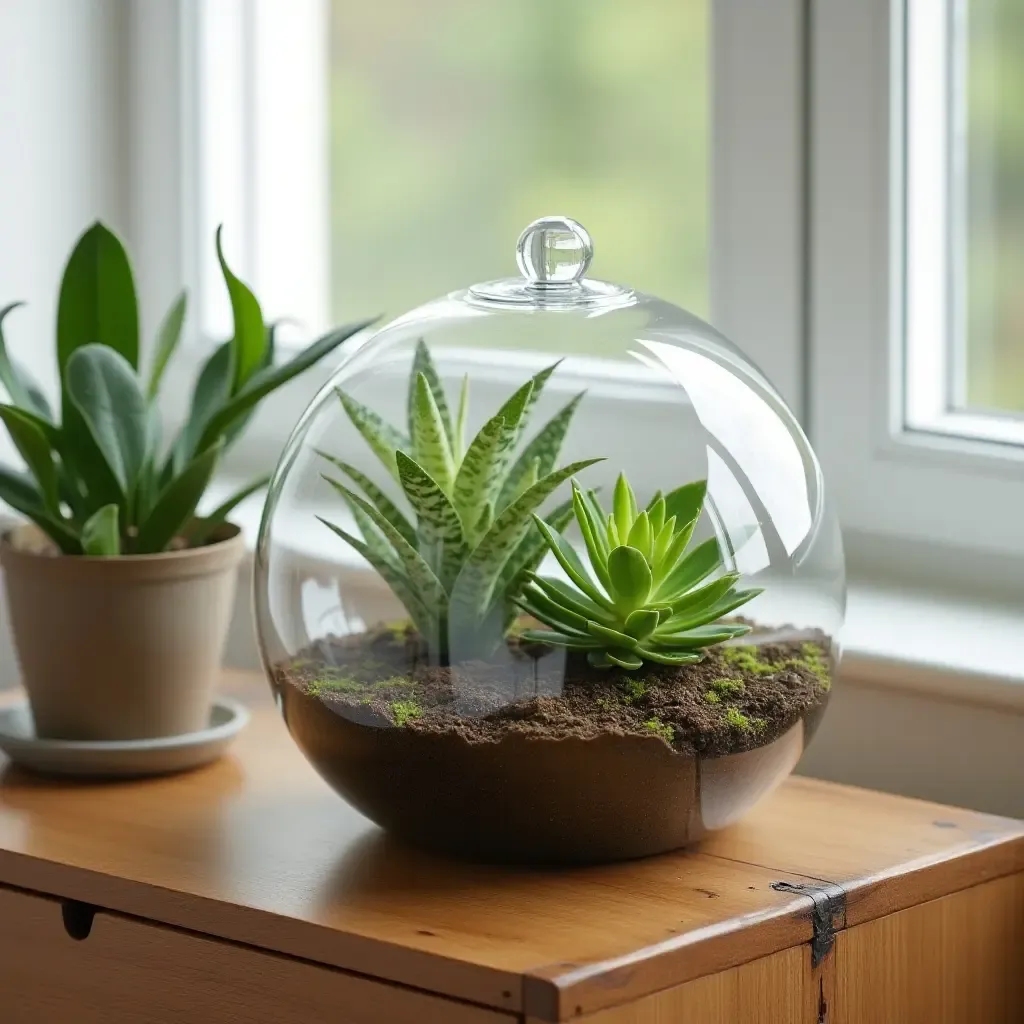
x: 700, y: 563
x: 167, y: 338
x: 372, y: 536
x: 694, y: 601
x: 610, y: 636
x: 439, y: 522
x: 423, y: 363
x: 202, y: 528
x: 84, y: 465
x: 424, y: 620
x: 210, y: 393
x: 430, y: 443
x: 664, y: 657
x: 376, y: 495
x: 529, y: 553
x: 483, y: 467
x: 729, y: 602
x: 567, y: 596
x: 630, y: 578
x: 249, y: 340
x: 20, y: 387
x: 176, y: 503
x: 640, y: 536
x: 459, y: 440
x: 561, y: 638
x: 35, y: 449
x: 686, y: 502
x: 612, y: 531
x: 475, y: 585
x: 656, y: 514
x: 97, y: 304
x: 101, y: 536
x: 662, y: 542
x: 571, y: 564
x: 105, y: 391
x: 551, y: 613
x: 624, y: 505
x: 592, y: 532
x: 270, y: 378
x: 419, y: 573
x: 21, y: 493
x: 382, y: 438
x: 641, y: 623
x: 698, y: 637
x: 623, y: 658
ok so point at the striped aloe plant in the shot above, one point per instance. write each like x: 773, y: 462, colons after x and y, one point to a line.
x: 468, y: 547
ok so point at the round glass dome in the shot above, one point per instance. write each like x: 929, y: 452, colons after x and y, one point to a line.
x: 548, y: 572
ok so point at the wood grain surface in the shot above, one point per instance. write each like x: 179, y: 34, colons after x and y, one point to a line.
x: 956, y: 960
x: 256, y: 849
x: 132, y: 971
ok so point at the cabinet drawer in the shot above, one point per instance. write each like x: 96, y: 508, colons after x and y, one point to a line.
x: 128, y: 971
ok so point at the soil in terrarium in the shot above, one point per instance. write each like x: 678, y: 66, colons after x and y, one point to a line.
x: 740, y: 696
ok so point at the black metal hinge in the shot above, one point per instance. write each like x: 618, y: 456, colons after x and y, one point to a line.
x: 828, y: 914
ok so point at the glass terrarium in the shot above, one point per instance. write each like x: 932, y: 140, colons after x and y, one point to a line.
x: 548, y: 573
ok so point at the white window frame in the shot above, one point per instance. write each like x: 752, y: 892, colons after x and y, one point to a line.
x: 245, y: 67
x: 898, y: 480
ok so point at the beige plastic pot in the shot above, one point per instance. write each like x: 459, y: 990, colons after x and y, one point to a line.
x: 119, y: 648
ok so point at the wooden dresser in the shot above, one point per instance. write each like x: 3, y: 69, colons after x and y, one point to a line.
x: 248, y: 892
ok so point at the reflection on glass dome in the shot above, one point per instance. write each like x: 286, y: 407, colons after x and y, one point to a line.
x: 542, y: 609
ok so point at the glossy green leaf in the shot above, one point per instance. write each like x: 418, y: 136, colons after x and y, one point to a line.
x: 97, y: 303
x: 571, y: 563
x: 270, y: 378
x: 567, y: 596
x: 686, y: 502
x: 20, y: 387
x: 662, y: 542
x: 641, y: 623
x: 696, y: 600
x: 373, y: 538
x: 663, y: 657
x: 623, y: 658
x: 176, y: 503
x: 699, y: 636
x: 85, y: 465
x: 101, y: 536
x: 729, y: 602
x: 700, y: 563
x: 611, y: 636
x: 104, y: 389
x: 552, y: 613
x: 431, y: 447
x: 641, y: 537
x: 167, y: 338
x: 210, y: 393
x: 593, y: 535
x: 423, y: 363
x: 630, y: 578
x: 21, y: 493
x: 624, y: 507
x: 32, y: 444
x: 387, y: 507
x: 382, y: 438
x: 656, y: 514
x: 200, y: 530
x: 575, y: 641
x: 249, y: 339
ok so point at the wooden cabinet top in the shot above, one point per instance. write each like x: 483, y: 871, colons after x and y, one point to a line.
x: 256, y: 849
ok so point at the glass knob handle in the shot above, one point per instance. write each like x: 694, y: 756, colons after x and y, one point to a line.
x: 553, y: 252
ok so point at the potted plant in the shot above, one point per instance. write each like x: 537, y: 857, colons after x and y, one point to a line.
x: 467, y: 726
x: 120, y: 595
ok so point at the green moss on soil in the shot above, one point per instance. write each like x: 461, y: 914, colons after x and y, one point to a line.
x: 725, y: 687
x: 633, y: 690
x: 334, y: 684
x: 712, y: 698
x: 404, y: 711
x: 745, y: 658
x: 738, y: 720
x: 660, y: 728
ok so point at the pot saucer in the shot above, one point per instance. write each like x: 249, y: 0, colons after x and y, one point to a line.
x: 119, y: 758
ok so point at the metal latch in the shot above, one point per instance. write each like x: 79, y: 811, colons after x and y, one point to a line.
x: 827, y: 916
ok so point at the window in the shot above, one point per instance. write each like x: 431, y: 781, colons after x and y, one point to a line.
x: 911, y: 223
